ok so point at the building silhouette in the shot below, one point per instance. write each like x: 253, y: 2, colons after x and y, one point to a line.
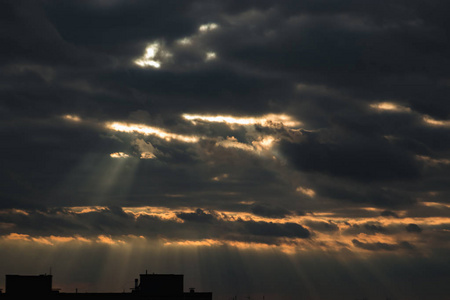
x: 149, y: 286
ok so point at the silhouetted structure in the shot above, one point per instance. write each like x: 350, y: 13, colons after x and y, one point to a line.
x: 151, y: 286
x: 17, y: 285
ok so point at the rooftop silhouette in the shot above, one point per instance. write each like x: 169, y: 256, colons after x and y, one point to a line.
x: 149, y: 286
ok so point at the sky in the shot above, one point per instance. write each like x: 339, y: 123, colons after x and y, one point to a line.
x: 264, y: 149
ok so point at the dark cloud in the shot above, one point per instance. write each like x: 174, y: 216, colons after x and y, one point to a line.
x: 323, y: 63
x: 378, y: 246
x: 357, y: 158
x: 198, y: 216
x: 264, y: 210
x: 323, y: 226
x: 389, y: 213
x: 275, y: 229
x: 413, y: 228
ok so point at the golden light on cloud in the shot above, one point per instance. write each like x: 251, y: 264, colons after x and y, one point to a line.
x: 208, y: 27
x: 152, y: 56
x: 265, y: 143
x: 73, y: 118
x: 187, y: 243
x: 185, y: 41
x: 390, y: 106
x: 232, y: 142
x: 147, y: 155
x: 210, y: 56
x: 119, y: 155
x: 306, y: 191
x: 108, y: 240
x: 149, y: 130
x: 270, y: 120
x: 440, y: 123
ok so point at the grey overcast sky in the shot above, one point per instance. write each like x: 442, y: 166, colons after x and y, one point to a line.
x: 277, y: 149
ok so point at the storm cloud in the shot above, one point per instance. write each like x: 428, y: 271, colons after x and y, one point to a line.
x: 308, y: 134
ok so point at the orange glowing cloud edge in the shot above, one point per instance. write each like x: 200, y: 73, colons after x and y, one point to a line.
x: 166, y: 213
x: 289, y: 246
x: 326, y: 241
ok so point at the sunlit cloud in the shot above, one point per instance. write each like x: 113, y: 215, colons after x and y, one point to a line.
x: 108, y: 240
x: 119, y: 155
x: 85, y: 209
x: 253, y: 246
x: 208, y: 27
x: 232, y: 142
x: 73, y: 118
x: 187, y: 243
x: 146, y: 149
x: 17, y: 236
x: 436, y: 204
x: 149, y: 130
x: 265, y: 143
x: 153, y: 56
x: 210, y: 56
x: 433, y: 122
x: 270, y: 120
x: 185, y: 41
x: 390, y: 106
x: 306, y: 191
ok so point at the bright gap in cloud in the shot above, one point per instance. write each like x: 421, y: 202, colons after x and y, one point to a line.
x: 73, y: 118
x: 210, y: 56
x: 270, y: 120
x: 119, y: 155
x: 390, y: 106
x: 440, y: 123
x: 208, y: 27
x: 149, y: 130
x: 152, y: 56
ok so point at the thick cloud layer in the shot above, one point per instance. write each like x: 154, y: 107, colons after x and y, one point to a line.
x: 295, y: 128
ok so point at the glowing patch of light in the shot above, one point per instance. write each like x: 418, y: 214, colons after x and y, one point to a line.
x: 434, y: 122
x: 149, y: 57
x: 73, y: 118
x: 435, y: 204
x: 390, y: 106
x: 270, y: 120
x: 146, y: 149
x: 308, y: 192
x: 185, y: 41
x: 210, y: 56
x: 208, y: 27
x: 264, y: 144
x: 220, y: 177
x: 147, y: 155
x: 103, y: 239
x: 17, y: 236
x: 119, y: 155
x: 232, y: 142
x: 204, y: 243
x: 149, y: 130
